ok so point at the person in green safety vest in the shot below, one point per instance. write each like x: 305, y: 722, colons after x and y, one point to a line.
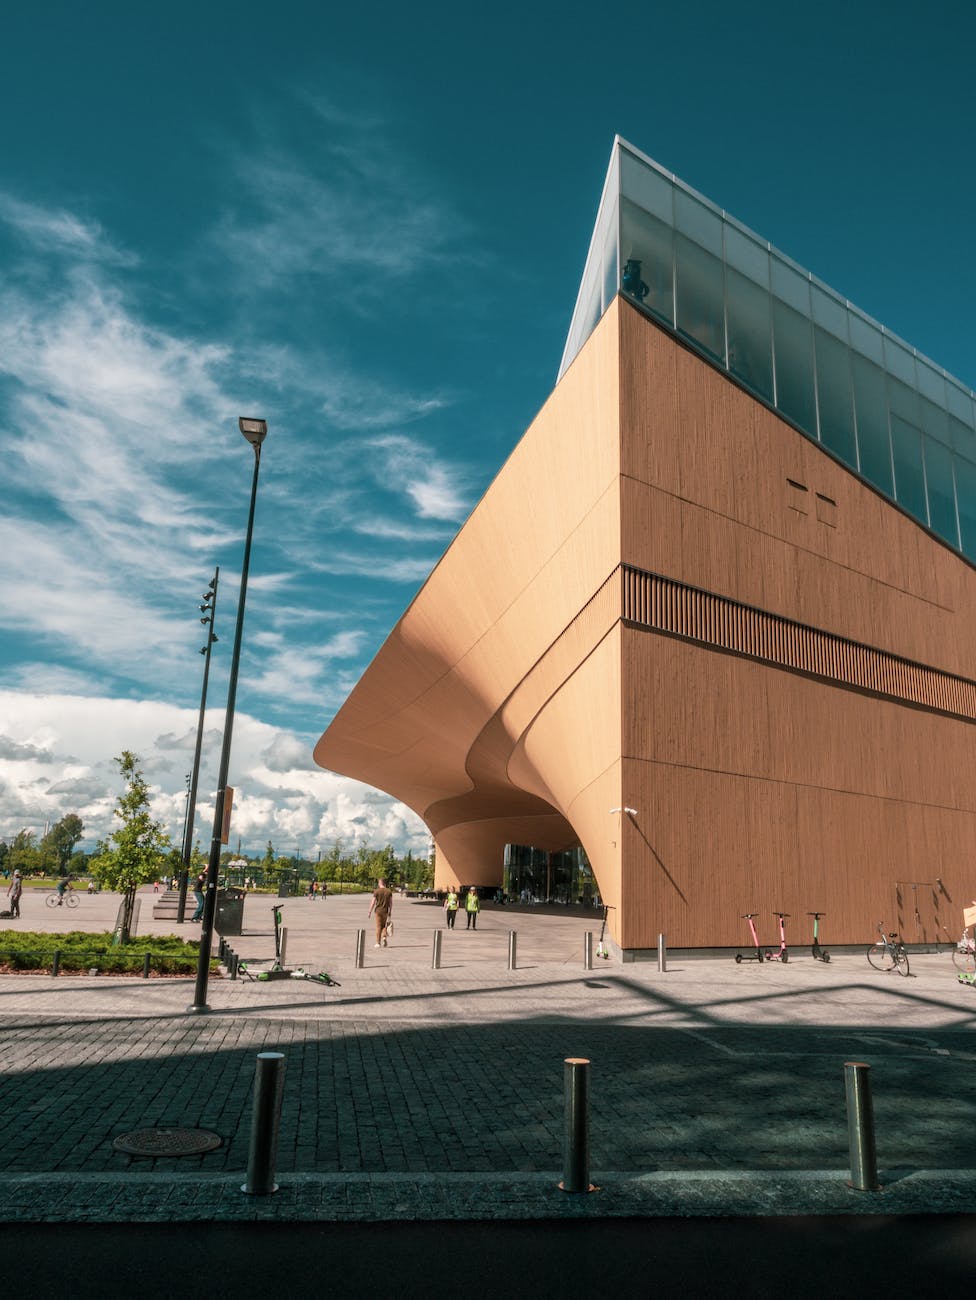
x: 472, y: 905
x: 451, y: 907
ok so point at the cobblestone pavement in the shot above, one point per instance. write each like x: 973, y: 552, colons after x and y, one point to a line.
x: 415, y: 1093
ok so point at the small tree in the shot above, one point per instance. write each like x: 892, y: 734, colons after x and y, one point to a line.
x: 136, y: 849
x: 24, y: 855
x: 61, y: 839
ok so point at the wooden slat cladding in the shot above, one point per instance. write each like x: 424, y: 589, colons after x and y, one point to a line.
x: 649, y: 600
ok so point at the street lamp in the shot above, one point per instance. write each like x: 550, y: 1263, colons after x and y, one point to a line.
x: 208, y: 609
x: 255, y: 431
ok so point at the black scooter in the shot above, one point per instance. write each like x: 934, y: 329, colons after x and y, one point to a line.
x: 820, y: 954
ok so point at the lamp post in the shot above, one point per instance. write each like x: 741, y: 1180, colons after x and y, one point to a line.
x: 255, y: 431
x: 208, y: 609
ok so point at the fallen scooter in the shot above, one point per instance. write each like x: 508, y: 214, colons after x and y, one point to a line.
x: 278, y: 972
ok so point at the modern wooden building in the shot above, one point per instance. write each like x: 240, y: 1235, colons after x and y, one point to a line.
x: 724, y: 661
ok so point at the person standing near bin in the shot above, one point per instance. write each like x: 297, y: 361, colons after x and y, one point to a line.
x: 382, y: 907
x: 199, y: 887
x: 14, y: 891
x: 472, y: 905
x: 451, y: 907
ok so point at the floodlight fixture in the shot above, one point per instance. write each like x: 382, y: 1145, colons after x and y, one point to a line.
x: 255, y: 431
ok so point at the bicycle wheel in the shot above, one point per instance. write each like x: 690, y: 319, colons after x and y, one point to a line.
x: 71, y: 900
x: 52, y: 900
x: 881, y: 956
x: 901, y: 961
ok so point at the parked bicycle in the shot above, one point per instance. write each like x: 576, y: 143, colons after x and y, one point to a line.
x: 889, y: 953
x: 964, y: 951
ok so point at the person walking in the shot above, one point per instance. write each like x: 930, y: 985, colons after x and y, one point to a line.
x: 472, y: 905
x: 14, y: 891
x: 382, y: 908
x: 451, y: 907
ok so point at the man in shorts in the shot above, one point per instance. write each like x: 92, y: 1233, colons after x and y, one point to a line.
x: 382, y: 908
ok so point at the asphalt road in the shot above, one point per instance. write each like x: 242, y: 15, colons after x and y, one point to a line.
x: 799, y: 1257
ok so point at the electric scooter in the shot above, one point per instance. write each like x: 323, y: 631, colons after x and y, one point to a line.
x: 820, y: 954
x: 278, y: 972
x: 758, y: 954
x: 783, y: 954
x: 600, y: 950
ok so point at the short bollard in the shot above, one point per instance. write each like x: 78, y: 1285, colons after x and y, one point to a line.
x: 435, y: 961
x: 860, y: 1127
x: 588, y: 950
x: 146, y: 963
x: 662, y: 953
x: 512, y: 949
x: 233, y: 959
x: 269, y: 1079
x: 360, y: 949
x: 283, y: 944
x: 56, y: 962
x: 576, y: 1126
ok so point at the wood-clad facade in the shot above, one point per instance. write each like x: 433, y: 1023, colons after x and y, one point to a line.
x: 672, y: 601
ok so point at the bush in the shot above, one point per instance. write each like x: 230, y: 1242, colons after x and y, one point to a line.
x: 32, y: 950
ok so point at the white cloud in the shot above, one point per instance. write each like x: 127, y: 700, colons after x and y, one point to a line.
x: 57, y: 230
x: 356, y: 211
x: 279, y: 793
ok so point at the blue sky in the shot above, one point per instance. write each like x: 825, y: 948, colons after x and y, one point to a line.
x: 367, y: 224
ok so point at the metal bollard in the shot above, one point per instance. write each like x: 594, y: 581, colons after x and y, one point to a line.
x: 56, y: 963
x: 282, y: 945
x: 576, y: 1126
x: 269, y: 1079
x: 588, y: 950
x: 222, y: 948
x: 360, y: 949
x: 860, y: 1127
x: 662, y: 953
x: 233, y: 959
x: 435, y: 962
x: 146, y: 963
x: 512, y: 949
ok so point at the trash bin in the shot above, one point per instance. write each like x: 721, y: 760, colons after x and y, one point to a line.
x: 229, y: 918
x: 284, y: 889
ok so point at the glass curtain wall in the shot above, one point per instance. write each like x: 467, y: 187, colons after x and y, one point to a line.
x: 535, y: 876
x: 842, y: 379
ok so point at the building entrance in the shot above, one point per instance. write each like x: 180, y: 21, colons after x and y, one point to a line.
x: 537, y: 876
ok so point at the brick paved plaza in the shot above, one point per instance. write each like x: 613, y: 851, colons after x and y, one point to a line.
x: 416, y: 1093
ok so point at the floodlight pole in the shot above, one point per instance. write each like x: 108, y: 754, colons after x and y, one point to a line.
x: 255, y: 431
x: 191, y: 806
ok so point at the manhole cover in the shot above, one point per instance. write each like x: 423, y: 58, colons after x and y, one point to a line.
x: 167, y: 1142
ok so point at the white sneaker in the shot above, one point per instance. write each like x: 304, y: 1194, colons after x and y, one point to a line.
x: 376, y: 945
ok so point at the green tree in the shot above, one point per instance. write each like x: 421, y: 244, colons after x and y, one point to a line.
x: 61, y: 839
x: 24, y: 855
x: 136, y: 848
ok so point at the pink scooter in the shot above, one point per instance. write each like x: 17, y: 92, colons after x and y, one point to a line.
x: 768, y: 955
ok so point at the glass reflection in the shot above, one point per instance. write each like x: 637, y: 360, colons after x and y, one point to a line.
x: 837, y: 376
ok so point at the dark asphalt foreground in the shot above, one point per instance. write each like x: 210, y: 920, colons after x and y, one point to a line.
x: 431, y: 1102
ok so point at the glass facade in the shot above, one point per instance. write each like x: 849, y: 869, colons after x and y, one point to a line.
x: 535, y: 876
x: 876, y: 404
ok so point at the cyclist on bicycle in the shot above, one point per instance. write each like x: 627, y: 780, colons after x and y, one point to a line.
x: 64, y: 884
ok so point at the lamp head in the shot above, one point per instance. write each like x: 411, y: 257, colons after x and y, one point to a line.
x: 255, y: 431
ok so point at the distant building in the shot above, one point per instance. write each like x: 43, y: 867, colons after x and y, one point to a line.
x: 705, y: 647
